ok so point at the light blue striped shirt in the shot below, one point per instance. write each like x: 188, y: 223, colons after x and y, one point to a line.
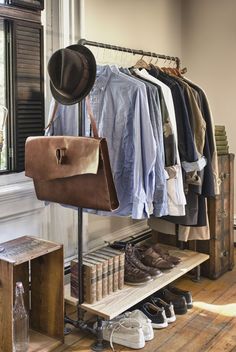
x: 121, y: 110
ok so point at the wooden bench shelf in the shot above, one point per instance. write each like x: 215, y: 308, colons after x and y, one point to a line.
x: 119, y: 301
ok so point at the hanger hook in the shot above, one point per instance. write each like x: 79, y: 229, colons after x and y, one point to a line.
x: 131, y: 57
x: 156, y: 60
x: 122, y: 56
x: 151, y: 58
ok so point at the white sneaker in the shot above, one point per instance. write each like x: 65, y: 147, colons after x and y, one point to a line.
x: 125, y: 331
x: 145, y: 322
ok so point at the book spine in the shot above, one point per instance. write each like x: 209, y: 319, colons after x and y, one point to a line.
x: 99, y: 281
x: 121, y: 259
x: 104, y: 272
x: 121, y: 270
x: 110, y: 275
x: 115, y: 273
x: 115, y: 259
x: 90, y: 282
x: 99, y: 278
x: 105, y: 278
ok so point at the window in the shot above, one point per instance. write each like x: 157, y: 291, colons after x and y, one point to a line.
x: 21, y: 84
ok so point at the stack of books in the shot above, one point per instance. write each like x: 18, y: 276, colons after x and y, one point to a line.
x: 222, y: 146
x: 103, y: 273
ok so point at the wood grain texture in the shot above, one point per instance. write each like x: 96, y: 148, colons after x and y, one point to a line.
x: 47, y: 298
x: 221, y: 214
x: 6, y: 306
x: 47, y: 283
x: 42, y: 343
x: 131, y: 295
x: 26, y: 248
x: 19, y: 13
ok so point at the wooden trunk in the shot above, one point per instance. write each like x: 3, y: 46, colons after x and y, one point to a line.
x: 220, y: 247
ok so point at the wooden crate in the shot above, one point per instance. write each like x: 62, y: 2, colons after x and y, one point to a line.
x: 39, y: 264
x: 221, y: 217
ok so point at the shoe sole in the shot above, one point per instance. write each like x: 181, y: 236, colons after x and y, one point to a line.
x: 155, y: 276
x: 171, y: 320
x: 149, y: 337
x: 123, y: 342
x: 160, y: 326
x: 138, y: 283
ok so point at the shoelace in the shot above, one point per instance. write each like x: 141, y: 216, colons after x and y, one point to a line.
x: 131, y: 265
x: 118, y: 325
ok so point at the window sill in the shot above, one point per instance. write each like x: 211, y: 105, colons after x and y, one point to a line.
x: 17, y: 195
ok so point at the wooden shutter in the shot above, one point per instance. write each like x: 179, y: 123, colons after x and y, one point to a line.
x: 31, y: 4
x: 28, y: 97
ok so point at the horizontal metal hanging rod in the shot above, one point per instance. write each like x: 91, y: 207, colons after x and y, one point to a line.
x: 131, y: 51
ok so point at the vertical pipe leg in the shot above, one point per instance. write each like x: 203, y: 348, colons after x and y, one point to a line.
x: 197, y: 275
x: 99, y: 345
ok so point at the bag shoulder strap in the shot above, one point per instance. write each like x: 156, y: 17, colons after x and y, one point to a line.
x: 89, y: 111
x: 53, y: 115
x: 92, y: 119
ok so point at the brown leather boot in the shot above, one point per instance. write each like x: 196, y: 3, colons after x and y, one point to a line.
x: 132, y: 255
x: 135, y: 276
x: 165, y: 254
x: 151, y: 258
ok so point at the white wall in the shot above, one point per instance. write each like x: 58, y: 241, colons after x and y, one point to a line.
x: 209, y: 52
x: 152, y: 25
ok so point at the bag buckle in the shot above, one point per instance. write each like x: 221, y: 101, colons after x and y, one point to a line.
x: 60, y: 155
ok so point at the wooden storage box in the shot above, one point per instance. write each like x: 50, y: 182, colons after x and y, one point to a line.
x: 220, y: 247
x: 39, y: 264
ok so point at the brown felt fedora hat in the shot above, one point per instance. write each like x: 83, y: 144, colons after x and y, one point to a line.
x: 72, y: 73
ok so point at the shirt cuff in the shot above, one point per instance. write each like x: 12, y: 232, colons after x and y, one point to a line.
x: 195, y: 165
x: 140, y: 210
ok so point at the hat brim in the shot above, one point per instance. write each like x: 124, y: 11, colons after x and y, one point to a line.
x: 65, y: 100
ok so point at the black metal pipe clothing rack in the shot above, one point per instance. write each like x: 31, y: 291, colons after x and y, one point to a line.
x: 81, y: 121
x: 131, y: 51
x: 98, y: 346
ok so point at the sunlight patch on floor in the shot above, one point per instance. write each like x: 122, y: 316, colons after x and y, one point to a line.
x: 228, y: 310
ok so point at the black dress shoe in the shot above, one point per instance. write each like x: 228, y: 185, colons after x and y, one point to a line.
x: 186, y: 294
x: 179, y: 302
x: 155, y: 314
x: 168, y: 307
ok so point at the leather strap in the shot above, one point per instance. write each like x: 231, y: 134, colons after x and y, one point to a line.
x: 92, y: 119
x: 89, y: 111
x: 53, y: 115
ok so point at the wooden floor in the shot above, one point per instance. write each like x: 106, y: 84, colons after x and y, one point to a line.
x: 209, y: 326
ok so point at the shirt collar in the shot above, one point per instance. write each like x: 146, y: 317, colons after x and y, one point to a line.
x: 103, y: 75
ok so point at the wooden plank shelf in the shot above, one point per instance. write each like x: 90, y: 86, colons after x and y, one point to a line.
x: 119, y: 301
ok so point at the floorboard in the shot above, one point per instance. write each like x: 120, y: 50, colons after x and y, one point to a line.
x: 209, y: 327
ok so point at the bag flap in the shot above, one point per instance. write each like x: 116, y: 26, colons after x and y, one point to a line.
x: 48, y: 158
